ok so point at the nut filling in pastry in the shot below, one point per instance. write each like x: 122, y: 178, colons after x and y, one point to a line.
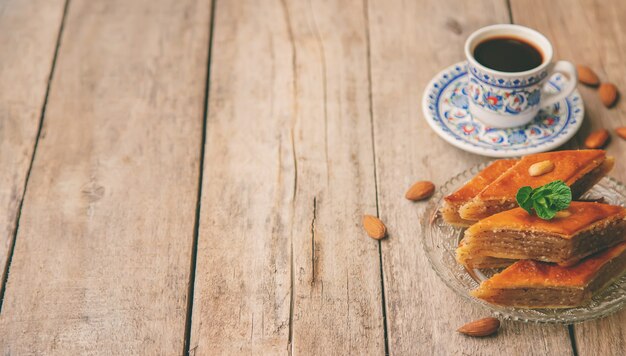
x: 533, y: 284
x: 514, y: 234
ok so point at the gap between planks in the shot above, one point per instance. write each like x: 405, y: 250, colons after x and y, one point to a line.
x: 373, y: 139
x: 7, y: 266
x: 196, y: 225
x: 294, y: 99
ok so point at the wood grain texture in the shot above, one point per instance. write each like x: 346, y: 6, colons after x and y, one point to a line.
x: 102, y: 256
x: 411, y: 42
x: 283, y: 263
x: 28, y: 37
x: 594, y: 34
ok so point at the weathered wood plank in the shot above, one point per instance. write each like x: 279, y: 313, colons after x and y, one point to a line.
x: 28, y: 37
x: 411, y: 42
x: 593, y: 34
x: 102, y: 256
x: 289, y: 127
x: 338, y: 296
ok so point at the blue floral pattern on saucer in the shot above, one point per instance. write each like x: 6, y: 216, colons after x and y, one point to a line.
x: 445, y: 106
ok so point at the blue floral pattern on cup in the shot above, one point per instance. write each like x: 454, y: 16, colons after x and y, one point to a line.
x: 513, y: 83
x: 504, y: 101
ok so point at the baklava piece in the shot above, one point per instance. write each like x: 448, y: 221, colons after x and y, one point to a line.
x: 533, y: 284
x: 517, y: 235
x: 579, y: 169
x: 452, y: 203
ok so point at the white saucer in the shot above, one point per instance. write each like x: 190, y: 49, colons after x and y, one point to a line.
x: 445, y: 107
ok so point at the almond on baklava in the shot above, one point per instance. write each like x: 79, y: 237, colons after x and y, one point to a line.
x: 533, y: 284
x: 515, y: 234
x: 579, y: 169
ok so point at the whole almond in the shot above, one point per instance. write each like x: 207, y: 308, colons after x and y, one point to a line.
x: 587, y: 76
x: 608, y: 94
x: 562, y: 214
x: 420, y: 190
x: 541, y: 168
x: 481, y: 327
x: 374, y: 227
x: 597, y: 139
x: 621, y: 132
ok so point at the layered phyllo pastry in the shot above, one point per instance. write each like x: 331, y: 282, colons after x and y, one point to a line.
x: 579, y: 169
x: 583, y: 229
x: 453, y: 202
x: 533, y: 284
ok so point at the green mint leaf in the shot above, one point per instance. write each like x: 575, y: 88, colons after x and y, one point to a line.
x: 545, y: 200
x: 543, y: 211
x: 554, y: 185
x: 523, y: 198
x: 561, y: 195
x: 540, y: 193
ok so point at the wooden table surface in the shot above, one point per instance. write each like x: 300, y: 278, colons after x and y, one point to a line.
x: 186, y: 176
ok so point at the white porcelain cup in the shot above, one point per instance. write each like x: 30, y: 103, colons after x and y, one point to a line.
x: 509, y: 99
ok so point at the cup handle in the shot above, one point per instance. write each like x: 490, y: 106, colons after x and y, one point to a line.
x: 566, y: 68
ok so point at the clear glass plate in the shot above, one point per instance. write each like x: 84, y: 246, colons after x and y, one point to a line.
x: 440, y: 242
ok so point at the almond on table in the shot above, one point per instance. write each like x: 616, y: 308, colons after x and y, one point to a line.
x: 587, y: 76
x: 374, y: 227
x: 597, y: 138
x: 621, y: 132
x: 608, y: 94
x: 480, y: 327
x: 420, y: 190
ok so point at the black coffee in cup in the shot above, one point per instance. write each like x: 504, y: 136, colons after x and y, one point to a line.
x: 508, y: 54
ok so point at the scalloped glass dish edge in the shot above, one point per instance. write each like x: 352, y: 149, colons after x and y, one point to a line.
x: 440, y: 240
